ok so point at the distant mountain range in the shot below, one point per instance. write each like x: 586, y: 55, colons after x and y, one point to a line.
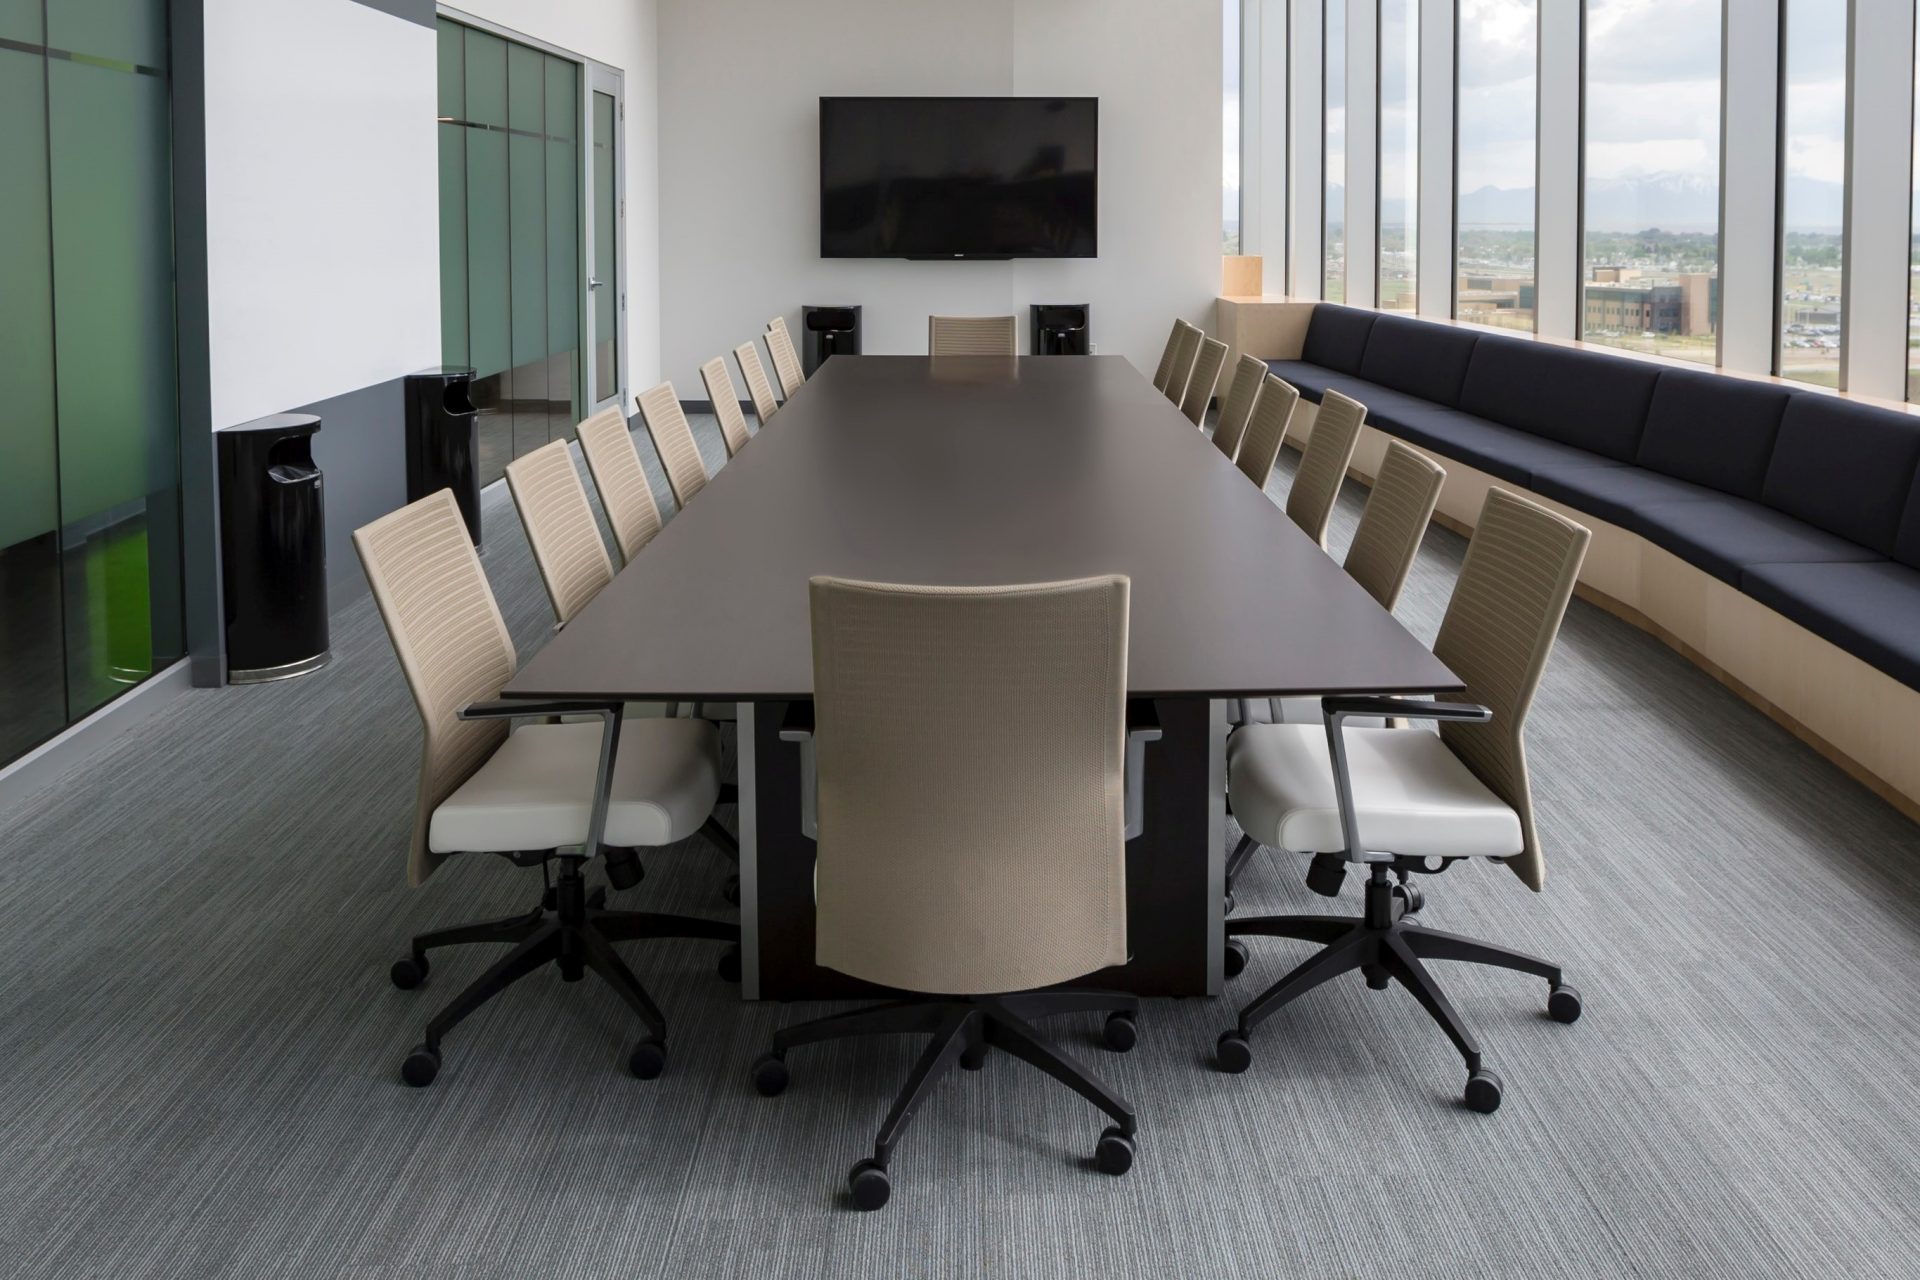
x: 1668, y: 201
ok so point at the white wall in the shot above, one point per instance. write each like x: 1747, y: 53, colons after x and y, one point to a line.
x: 323, y: 266
x: 622, y: 34
x: 740, y: 82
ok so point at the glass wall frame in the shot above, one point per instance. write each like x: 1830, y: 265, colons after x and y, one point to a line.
x: 90, y: 519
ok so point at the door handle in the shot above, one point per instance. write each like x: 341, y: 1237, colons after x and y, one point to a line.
x: 592, y: 283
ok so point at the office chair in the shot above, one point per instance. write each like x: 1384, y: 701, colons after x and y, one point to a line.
x: 625, y: 495
x: 969, y: 762
x: 1399, y: 508
x: 786, y: 365
x: 971, y: 336
x: 574, y: 565
x: 726, y: 405
x: 1324, y: 463
x: 1248, y: 375
x: 1266, y: 431
x: 1168, y: 355
x: 1405, y: 802
x: 754, y: 374
x: 673, y: 441
x: 1203, y: 379
x: 548, y: 795
x: 1185, y: 353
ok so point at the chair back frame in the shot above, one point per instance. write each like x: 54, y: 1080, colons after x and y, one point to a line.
x: 673, y: 441
x: 614, y: 463
x: 560, y: 527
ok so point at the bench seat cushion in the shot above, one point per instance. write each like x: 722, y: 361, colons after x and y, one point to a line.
x: 1871, y: 609
x: 1723, y: 535
x: 1845, y: 467
x: 1615, y: 494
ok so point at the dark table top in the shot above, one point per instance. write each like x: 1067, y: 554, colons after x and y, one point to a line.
x: 981, y: 470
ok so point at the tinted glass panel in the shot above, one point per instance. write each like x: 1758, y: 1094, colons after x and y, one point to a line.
x: 1334, y: 210
x: 1813, y: 189
x: 1399, y: 151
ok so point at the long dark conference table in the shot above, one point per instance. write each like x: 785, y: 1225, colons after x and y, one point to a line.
x: 985, y: 470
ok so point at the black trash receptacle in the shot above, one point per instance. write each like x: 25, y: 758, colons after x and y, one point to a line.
x: 828, y: 331
x: 1061, y: 329
x: 273, y: 549
x: 443, y: 439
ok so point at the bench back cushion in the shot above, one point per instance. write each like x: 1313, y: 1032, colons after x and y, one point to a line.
x: 1713, y: 430
x: 1579, y: 398
x: 1844, y: 467
x: 1419, y: 357
x: 1906, y: 544
x: 1337, y: 337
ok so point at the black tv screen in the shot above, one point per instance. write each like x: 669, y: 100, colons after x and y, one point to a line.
x: 958, y: 177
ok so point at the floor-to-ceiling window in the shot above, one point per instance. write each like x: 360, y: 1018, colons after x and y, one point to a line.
x: 1650, y: 274
x: 1813, y: 168
x: 1230, y: 127
x: 1497, y: 116
x: 510, y: 237
x: 1913, y: 239
x: 1334, y: 203
x: 89, y: 423
x: 1399, y: 151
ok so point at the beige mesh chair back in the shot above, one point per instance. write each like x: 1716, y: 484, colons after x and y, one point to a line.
x: 1405, y: 490
x: 1186, y: 350
x: 1168, y: 355
x: 754, y: 374
x: 1329, y: 452
x: 786, y: 365
x: 970, y: 336
x: 673, y: 440
x: 970, y: 771
x: 1248, y: 375
x: 560, y: 527
x: 1203, y: 379
x: 726, y: 405
x: 1266, y: 430
x: 625, y: 495
x: 452, y: 644
x: 1497, y: 633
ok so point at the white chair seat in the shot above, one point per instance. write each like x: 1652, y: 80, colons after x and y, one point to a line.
x: 536, y: 791
x: 1411, y: 794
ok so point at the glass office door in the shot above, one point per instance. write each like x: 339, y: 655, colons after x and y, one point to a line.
x: 512, y: 275
x: 606, y: 234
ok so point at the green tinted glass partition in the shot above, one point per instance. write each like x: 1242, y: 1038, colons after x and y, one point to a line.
x: 89, y: 425
x: 510, y: 275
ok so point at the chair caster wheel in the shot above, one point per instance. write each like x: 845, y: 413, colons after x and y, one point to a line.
x: 648, y: 1059
x: 1378, y: 979
x: 1563, y: 1003
x: 1412, y: 896
x: 1233, y: 961
x: 1114, y: 1155
x: 1120, y: 1034
x: 1228, y: 903
x: 974, y: 1058
x: 1483, y: 1092
x: 409, y: 972
x: 729, y: 966
x: 730, y: 891
x: 770, y: 1075
x: 421, y: 1066
x: 868, y: 1183
x: 1231, y: 1053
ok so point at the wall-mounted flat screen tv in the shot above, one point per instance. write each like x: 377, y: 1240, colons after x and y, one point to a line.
x: 959, y: 177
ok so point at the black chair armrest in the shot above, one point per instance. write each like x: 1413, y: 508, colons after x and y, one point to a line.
x: 797, y: 726
x: 1362, y: 704
x: 519, y: 708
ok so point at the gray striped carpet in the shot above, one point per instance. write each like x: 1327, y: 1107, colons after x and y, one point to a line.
x: 198, y: 1042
